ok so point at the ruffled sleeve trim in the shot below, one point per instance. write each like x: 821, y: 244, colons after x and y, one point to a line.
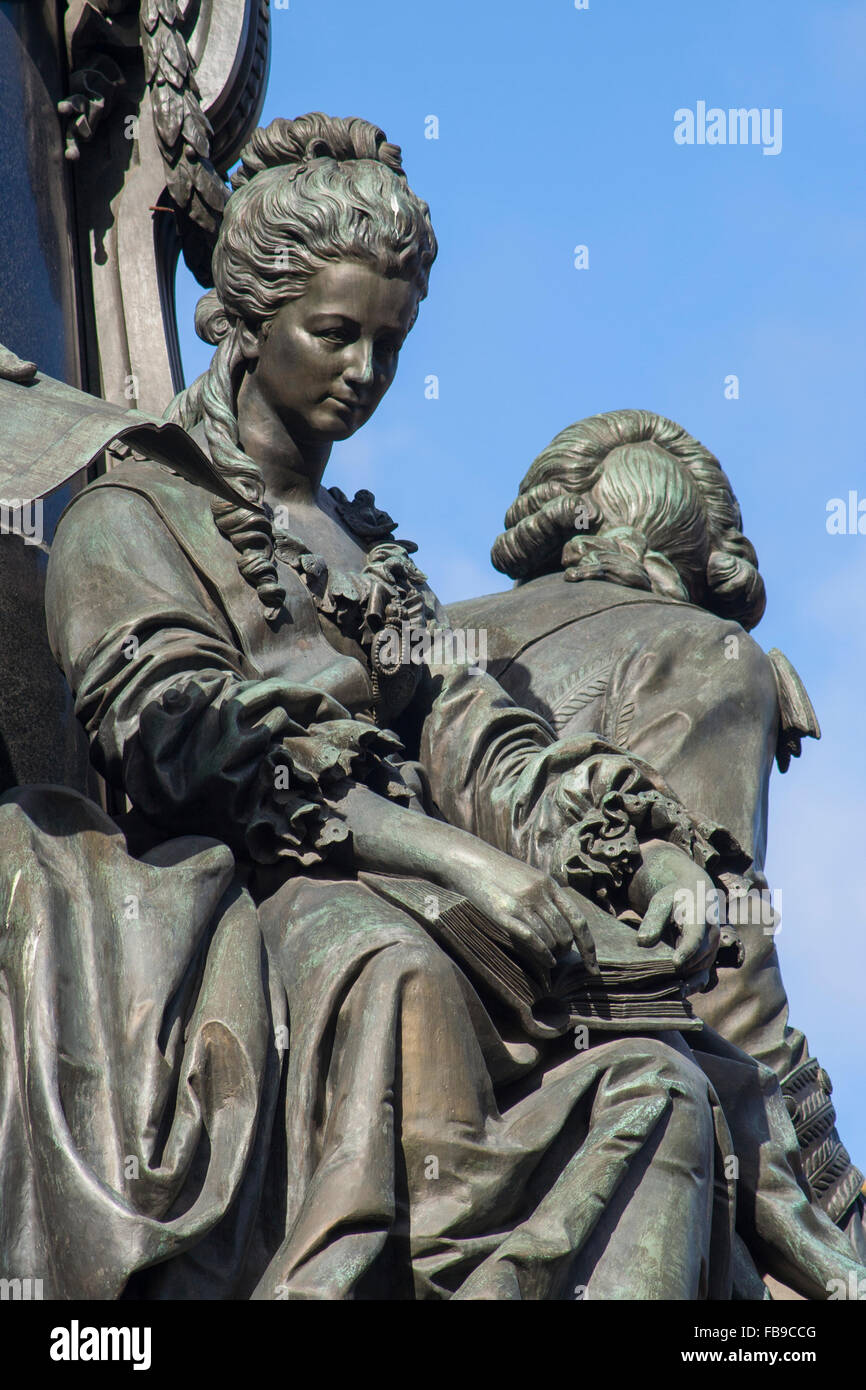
x: 260, y: 764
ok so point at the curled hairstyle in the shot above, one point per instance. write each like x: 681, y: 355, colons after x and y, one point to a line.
x: 307, y: 192
x: 630, y: 497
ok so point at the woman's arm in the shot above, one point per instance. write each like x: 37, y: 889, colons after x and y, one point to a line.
x: 178, y: 717
x: 540, y: 917
x: 579, y: 809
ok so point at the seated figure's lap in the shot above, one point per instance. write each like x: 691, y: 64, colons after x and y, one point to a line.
x: 328, y: 927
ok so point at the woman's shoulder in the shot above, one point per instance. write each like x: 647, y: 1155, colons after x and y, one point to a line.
x: 140, y: 496
x: 158, y: 481
x: 140, y: 529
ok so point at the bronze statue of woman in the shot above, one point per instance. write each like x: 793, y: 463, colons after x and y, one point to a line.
x: 245, y: 1068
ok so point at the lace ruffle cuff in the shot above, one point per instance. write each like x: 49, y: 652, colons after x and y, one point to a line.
x: 259, y: 764
x: 294, y: 817
x: 596, y: 810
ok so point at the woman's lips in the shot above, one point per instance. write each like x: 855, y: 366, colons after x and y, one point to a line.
x: 353, y: 404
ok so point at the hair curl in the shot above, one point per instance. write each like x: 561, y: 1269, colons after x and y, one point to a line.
x: 631, y: 497
x: 309, y: 191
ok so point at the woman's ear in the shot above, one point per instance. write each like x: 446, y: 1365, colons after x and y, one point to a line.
x: 250, y: 342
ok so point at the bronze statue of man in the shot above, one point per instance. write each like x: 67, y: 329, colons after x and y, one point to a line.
x: 635, y: 595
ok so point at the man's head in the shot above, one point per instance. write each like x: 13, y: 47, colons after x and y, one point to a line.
x: 630, y: 497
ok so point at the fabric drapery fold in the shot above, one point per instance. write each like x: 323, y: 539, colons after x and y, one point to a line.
x: 135, y: 1084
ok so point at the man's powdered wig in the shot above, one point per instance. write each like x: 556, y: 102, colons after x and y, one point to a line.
x: 630, y: 497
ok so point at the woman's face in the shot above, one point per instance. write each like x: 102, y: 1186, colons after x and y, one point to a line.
x: 326, y: 359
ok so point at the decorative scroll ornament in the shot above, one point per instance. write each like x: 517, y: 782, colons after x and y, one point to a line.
x: 184, y: 133
x: 155, y: 49
x: 92, y: 94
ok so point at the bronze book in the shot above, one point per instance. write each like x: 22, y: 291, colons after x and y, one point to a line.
x: 636, y: 992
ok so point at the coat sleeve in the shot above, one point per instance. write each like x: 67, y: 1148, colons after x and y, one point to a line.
x: 577, y: 808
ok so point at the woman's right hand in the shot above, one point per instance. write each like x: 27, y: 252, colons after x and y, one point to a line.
x: 541, y: 918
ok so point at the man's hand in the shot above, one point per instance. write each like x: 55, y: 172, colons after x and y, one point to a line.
x: 670, y: 891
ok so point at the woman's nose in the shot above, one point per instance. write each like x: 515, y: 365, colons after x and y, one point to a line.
x: 359, y: 363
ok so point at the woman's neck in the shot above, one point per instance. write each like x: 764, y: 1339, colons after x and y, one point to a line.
x: 292, y: 474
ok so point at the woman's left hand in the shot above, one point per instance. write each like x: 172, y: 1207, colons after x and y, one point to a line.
x: 670, y: 890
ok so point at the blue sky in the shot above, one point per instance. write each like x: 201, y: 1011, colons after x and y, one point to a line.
x: 556, y: 129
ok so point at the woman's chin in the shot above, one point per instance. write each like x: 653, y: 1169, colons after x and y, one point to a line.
x: 330, y: 420
x: 343, y: 425
x: 344, y: 431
